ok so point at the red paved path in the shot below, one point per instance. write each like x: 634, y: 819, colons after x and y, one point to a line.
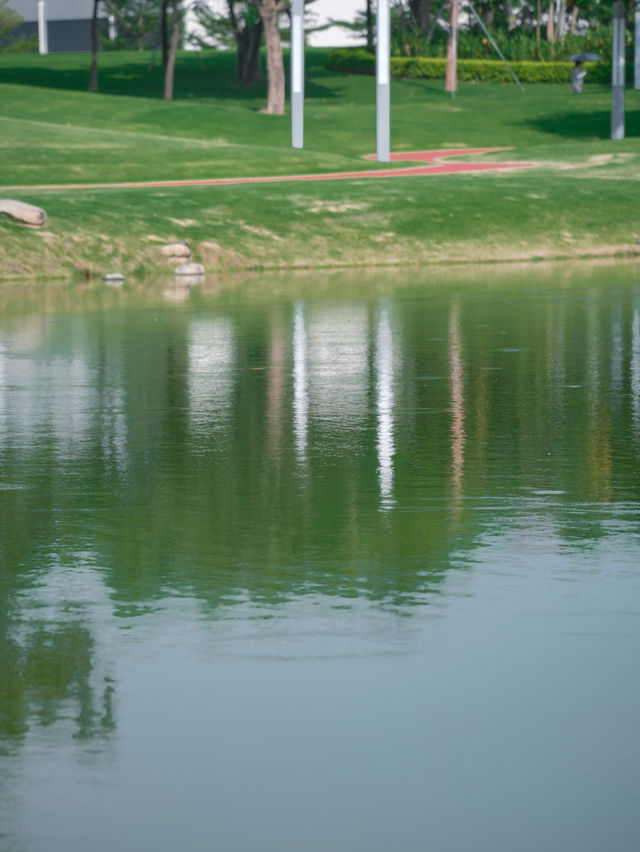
x: 431, y: 157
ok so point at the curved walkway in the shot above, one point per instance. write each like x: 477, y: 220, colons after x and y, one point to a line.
x: 432, y: 158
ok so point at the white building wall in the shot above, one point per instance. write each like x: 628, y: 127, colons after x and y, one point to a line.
x: 318, y: 13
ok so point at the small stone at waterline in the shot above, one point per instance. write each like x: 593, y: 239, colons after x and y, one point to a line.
x: 28, y: 214
x: 177, y: 249
x: 189, y: 269
x: 113, y: 278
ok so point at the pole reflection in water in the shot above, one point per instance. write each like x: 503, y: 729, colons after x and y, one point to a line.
x: 339, y: 369
x: 300, y: 384
x: 616, y: 353
x: 3, y: 392
x: 384, y: 405
x: 458, y: 438
x: 599, y: 459
x: 556, y: 372
x: 277, y: 383
x: 211, y: 360
x: 635, y: 372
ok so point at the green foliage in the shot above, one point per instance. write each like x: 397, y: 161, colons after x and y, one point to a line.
x: 9, y: 20
x: 359, y: 61
x: 520, y: 45
x: 414, y: 25
x: 351, y: 60
x: 482, y: 70
x: 24, y: 44
x: 217, y: 27
x: 421, y: 28
x: 138, y: 21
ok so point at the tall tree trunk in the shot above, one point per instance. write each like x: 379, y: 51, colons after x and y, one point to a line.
x: 248, y: 69
x: 551, y: 36
x: 164, y: 34
x: 451, y: 82
x: 574, y: 20
x: 248, y: 39
x: 93, y: 74
x: 560, y: 27
x: 369, y: 20
x: 173, y: 49
x: 538, y: 16
x: 269, y: 11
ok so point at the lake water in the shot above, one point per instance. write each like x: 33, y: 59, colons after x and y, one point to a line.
x: 335, y: 562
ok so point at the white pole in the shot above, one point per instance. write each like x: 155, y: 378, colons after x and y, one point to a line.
x: 43, y: 42
x: 383, y: 77
x: 636, y: 50
x: 113, y: 27
x: 561, y: 8
x: 297, y: 74
x: 617, y: 72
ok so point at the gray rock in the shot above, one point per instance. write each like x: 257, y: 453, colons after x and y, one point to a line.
x: 28, y: 214
x: 114, y: 278
x: 177, y: 249
x: 186, y: 270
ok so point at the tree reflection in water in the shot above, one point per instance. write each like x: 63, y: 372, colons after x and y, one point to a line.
x: 349, y: 446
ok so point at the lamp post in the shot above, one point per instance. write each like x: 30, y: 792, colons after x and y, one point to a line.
x: 43, y: 41
x: 383, y: 76
x: 297, y: 73
x: 617, y: 72
x: 636, y: 49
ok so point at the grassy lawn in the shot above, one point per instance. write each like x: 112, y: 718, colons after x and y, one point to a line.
x: 582, y: 198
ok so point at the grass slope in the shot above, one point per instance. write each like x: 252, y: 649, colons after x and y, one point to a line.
x: 582, y: 199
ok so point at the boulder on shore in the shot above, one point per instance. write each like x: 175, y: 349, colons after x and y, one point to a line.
x: 28, y: 214
x: 186, y: 270
x: 178, y: 248
x: 114, y: 278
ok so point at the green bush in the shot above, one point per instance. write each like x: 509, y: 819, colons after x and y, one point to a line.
x: 359, y: 61
x: 9, y: 43
x: 521, y: 46
x: 24, y: 44
x: 482, y: 70
x: 351, y: 60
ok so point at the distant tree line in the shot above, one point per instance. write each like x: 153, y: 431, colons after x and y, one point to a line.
x: 421, y: 27
x: 245, y: 26
x: 530, y: 29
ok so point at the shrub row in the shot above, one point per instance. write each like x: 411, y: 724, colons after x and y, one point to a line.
x: 517, y: 44
x: 359, y: 61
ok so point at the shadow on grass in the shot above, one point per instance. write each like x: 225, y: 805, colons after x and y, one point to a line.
x: 587, y: 125
x: 210, y: 74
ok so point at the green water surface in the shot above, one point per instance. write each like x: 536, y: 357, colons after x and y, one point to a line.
x: 343, y: 562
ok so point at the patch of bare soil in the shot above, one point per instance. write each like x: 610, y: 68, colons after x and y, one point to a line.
x: 214, y: 256
x: 260, y: 232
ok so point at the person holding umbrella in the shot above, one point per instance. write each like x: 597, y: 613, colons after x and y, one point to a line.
x: 577, y: 78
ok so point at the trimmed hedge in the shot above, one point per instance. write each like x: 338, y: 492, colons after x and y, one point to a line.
x: 359, y: 61
x: 351, y: 60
